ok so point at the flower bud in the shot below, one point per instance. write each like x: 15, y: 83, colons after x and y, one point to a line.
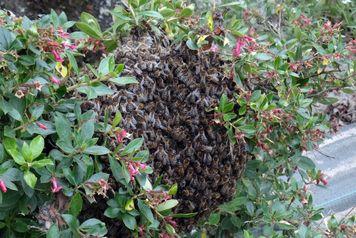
x: 3, y: 186
x: 55, y: 186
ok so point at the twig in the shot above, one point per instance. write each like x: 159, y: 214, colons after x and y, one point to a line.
x: 329, y: 156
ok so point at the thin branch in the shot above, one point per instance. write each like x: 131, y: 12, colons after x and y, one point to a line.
x: 322, y: 153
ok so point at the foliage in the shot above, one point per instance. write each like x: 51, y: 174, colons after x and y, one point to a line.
x: 52, y: 145
x: 284, y: 60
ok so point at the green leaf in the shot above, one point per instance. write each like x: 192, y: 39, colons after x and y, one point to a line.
x: 191, y: 44
x: 263, y: 56
x: 209, y: 20
x: 129, y: 221
x: 123, y: 80
x: 72, y: 62
x: 184, y: 215
x: 144, y: 181
x: 106, y: 65
x: 94, y: 227
x: 248, y: 129
x: 167, y: 205
x: 145, y: 210
x: 36, y: 146
x: 97, y: 150
x: 15, y: 114
x: 6, y: 39
x: 117, y: 119
x: 250, y: 208
x: 247, y: 234
x: 42, y: 163
x: 26, y: 152
x: 153, y: 14
x: 90, y: 19
x: 76, y: 204
x: 11, y: 148
x: 112, y: 212
x: 328, y: 100
x: 30, y: 179
x: 284, y: 225
x: 130, y: 205
x: 348, y: 90
x: 224, y: 105
x: 305, y: 163
x: 69, y: 175
x: 166, y: 12
x: 170, y: 229
x: 63, y: 127
x: 229, y: 116
x: 87, y: 130
x: 233, y: 205
x: 72, y: 222
x: 214, y: 218
x: 188, y: 11
x: 36, y: 111
x: 84, y: 27
x: 173, y: 190
x: 89, y: 25
x: 53, y: 232
x: 132, y: 146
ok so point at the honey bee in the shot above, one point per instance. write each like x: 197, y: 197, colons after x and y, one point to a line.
x: 169, y: 108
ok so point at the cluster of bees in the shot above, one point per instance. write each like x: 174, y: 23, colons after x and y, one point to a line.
x: 170, y: 109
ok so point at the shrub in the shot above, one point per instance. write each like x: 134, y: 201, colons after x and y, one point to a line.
x: 68, y: 169
x: 58, y: 157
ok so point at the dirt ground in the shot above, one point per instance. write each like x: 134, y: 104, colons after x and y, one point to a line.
x: 73, y: 8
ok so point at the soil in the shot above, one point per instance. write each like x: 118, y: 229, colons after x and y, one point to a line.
x: 73, y: 8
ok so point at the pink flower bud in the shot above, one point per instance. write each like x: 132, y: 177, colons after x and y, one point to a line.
x: 121, y: 135
x: 57, y: 56
x: 41, y: 125
x: 55, y: 186
x: 54, y: 80
x: 238, y: 48
x: 62, y: 33
x: 133, y: 171
x: 324, y: 181
x: 69, y: 46
x: 3, y: 186
x: 143, y: 166
x: 214, y: 48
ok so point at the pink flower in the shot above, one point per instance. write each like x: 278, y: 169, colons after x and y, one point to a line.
x: 42, y: 126
x: 62, y: 33
x: 238, y: 48
x: 55, y: 186
x: 121, y: 135
x: 303, y: 21
x: 351, y: 47
x: 3, y: 186
x: 133, y: 171
x: 54, y: 80
x: 142, y: 166
x: 294, y: 66
x: 214, y: 48
x: 324, y: 181
x: 241, y: 43
x: 57, y: 56
x: 69, y: 46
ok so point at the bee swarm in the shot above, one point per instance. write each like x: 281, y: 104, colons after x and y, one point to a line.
x: 169, y: 109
